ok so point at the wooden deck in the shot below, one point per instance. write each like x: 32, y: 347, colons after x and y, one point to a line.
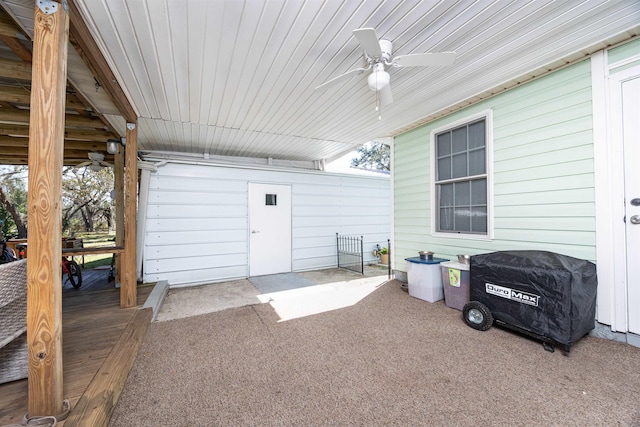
x: 92, y: 324
x: 92, y: 280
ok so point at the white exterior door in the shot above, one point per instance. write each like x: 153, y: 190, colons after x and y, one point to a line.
x: 629, y: 92
x: 624, y: 91
x: 269, y: 229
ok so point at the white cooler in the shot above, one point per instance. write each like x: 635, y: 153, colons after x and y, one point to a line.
x: 424, y: 278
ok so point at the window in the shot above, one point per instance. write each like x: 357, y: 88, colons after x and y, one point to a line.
x: 270, y: 199
x: 461, y: 181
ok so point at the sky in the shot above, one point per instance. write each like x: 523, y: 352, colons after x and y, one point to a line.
x: 342, y: 165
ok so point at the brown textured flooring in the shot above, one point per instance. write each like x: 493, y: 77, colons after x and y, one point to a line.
x: 388, y: 360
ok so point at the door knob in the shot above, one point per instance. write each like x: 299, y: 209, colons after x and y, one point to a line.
x: 635, y: 219
x: 254, y: 231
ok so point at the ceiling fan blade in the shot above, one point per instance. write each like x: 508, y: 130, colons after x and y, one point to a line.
x: 106, y: 164
x: 83, y: 164
x: 341, y: 77
x: 369, y: 41
x: 425, y: 59
x: 386, y: 97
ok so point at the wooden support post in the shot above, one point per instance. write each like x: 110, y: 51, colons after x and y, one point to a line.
x: 46, y: 141
x: 129, y: 283
x: 118, y: 178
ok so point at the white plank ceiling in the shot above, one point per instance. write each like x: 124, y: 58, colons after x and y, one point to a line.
x: 237, y: 78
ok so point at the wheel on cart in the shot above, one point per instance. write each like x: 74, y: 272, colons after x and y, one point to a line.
x: 477, y: 315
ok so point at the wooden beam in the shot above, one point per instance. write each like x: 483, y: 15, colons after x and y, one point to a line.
x: 88, y: 135
x: 10, y: 159
x: 128, y: 264
x: 102, y: 136
x: 17, y: 116
x: 17, y: 47
x: 84, y: 146
x: 71, y: 157
x: 15, y: 94
x: 19, y: 161
x: 24, y: 151
x: 11, y: 69
x: 9, y: 28
x: 16, y: 130
x: 10, y: 34
x: 75, y: 102
x: 118, y: 181
x: 22, y: 95
x: 99, y: 114
x: 44, y: 284
x: 83, y: 42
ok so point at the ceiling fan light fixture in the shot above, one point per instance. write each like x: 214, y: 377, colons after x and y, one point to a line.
x: 378, y: 80
x: 112, y: 146
x: 378, y: 55
x: 95, y: 167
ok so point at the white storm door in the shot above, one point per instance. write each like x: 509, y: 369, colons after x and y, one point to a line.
x: 628, y: 91
x: 269, y: 229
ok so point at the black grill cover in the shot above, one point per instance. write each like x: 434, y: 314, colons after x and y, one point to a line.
x: 540, y: 292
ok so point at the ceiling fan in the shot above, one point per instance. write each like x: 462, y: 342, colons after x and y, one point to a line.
x: 96, y: 162
x: 378, y: 57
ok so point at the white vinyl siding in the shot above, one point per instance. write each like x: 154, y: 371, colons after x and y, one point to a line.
x: 543, y: 184
x: 197, y: 219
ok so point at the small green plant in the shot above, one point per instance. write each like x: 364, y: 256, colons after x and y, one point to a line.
x: 383, y: 251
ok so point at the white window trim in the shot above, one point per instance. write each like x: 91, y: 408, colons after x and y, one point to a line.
x: 488, y: 116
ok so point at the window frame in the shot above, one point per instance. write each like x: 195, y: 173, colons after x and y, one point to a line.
x: 487, y: 115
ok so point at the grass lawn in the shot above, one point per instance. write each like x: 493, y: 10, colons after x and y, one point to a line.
x: 97, y: 239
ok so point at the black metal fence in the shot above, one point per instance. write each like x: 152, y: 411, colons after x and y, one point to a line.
x: 350, y: 253
x: 389, y: 259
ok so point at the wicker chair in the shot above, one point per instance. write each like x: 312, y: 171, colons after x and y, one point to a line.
x: 13, y: 318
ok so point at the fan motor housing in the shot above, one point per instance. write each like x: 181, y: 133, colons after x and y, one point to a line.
x: 387, y: 49
x: 95, y: 156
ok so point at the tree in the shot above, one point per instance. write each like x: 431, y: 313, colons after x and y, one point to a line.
x: 374, y: 156
x: 13, y: 200
x: 86, y: 197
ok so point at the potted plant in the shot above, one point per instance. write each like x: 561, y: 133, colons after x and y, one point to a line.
x: 384, y: 256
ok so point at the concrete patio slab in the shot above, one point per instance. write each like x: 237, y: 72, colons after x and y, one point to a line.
x: 318, y: 291
x: 196, y: 300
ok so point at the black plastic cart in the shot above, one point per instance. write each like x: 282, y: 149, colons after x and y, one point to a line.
x: 548, y: 296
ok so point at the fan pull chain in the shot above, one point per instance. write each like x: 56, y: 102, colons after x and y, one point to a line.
x: 378, y: 107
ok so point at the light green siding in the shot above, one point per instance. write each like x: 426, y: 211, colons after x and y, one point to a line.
x: 624, y: 51
x: 543, y: 176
